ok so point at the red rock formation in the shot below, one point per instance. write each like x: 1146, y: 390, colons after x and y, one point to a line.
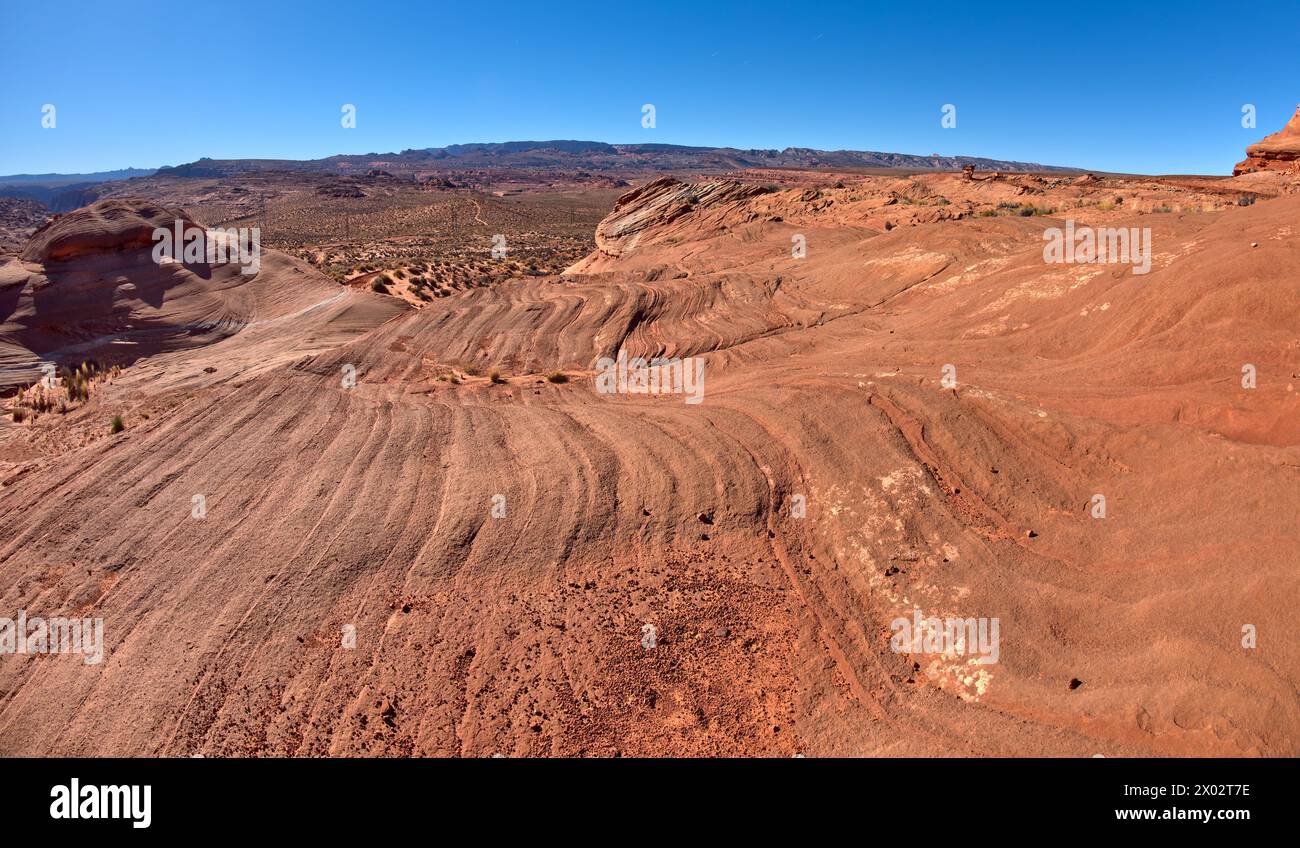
x: 350, y: 590
x: 87, y: 287
x: 660, y: 202
x: 1277, y: 152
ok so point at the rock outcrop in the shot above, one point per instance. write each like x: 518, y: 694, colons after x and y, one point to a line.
x: 108, y: 225
x: 661, y: 202
x: 1277, y: 152
x: 86, y: 287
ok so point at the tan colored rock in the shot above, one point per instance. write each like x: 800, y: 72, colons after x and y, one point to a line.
x: 108, y: 225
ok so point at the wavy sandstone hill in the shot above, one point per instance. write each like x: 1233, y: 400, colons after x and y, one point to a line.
x: 87, y: 288
x: 497, y: 549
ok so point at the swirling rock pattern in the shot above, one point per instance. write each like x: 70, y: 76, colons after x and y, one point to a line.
x: 432, y: 562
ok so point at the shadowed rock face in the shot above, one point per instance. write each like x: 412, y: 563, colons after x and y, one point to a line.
x: 86, y: 287
x: 418, y: 565
x: 1277, y: 152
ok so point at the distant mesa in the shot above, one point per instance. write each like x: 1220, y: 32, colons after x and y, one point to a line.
x: 595, y: 157
x: 609, y: 161
x: 1277, y: 152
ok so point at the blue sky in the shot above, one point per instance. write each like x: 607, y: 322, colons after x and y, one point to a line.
x: 1142, y: 87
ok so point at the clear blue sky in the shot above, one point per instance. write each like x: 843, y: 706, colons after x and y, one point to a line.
x: 1131, y: 86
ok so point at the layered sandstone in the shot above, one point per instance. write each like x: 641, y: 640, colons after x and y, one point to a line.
x: 428, y: 561
x: 1277, y: 152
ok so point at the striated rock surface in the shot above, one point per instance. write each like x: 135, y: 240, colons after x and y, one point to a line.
x: 428, y: 561
x: 86, y: 287
x: 659, y: 203
x: 108, y: 225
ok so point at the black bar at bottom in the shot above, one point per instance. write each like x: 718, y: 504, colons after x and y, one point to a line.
x: 298, y: 797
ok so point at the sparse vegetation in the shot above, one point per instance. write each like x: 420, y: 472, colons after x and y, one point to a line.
x: 557, y: 377
x: 77, y: 384
x: 495, y: 377
x: 116, y: 426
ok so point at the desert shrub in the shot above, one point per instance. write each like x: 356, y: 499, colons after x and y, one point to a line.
x: 19, y: 414
x: 377, y: 285
x: 116, y: 426
x: 495, y: 376
x: 557, y: 377
x: 1106, y: 206
x: 1246, y: 200
x: 77, y: 385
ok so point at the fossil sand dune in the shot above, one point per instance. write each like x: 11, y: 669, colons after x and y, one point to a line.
x: 372, y: 507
